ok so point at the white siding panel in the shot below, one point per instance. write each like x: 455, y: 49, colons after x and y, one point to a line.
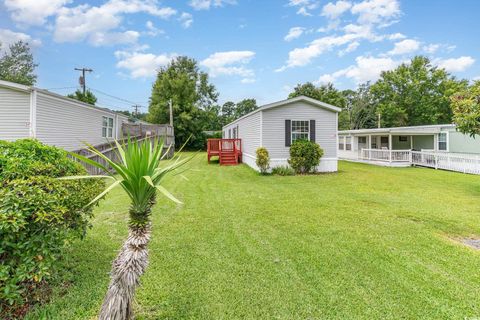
x: 14, y: 114
x: 248, y: 131
x: 325, y: 131
x: 67, y: 125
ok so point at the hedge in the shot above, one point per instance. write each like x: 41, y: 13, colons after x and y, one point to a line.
x: 39, y: 215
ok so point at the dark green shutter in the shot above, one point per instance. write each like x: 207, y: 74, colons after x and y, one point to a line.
x: 288, y: 133
x: 312, y: 130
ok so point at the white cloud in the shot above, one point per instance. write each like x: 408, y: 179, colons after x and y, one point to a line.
x: 142, y: 65
x: 248, y: 80
x: 304, y: 6
x: 365, y: 69
x: 455, y: 64
x: 186, y: 19
x: 396, y: 36
x: 404, y: 47
x: 152, y: 30
x: 294, y: 33
x: 350, y: 48
x: 378, y: 12
x: 8, y: 37
x: 334, y: 10
x: 229, y: 63
x: 33, y: 12
x: 85, y: 22
x: 207, y: 4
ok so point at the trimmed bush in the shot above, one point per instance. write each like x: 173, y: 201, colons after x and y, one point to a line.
x: 305, y: 156
x: 39, y: 215
x: 263, y: 160
x: 283, y: 171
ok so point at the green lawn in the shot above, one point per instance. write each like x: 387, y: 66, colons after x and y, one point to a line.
x: 366, y: 243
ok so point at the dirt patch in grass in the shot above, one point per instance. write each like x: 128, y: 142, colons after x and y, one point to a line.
x: 473, y: 243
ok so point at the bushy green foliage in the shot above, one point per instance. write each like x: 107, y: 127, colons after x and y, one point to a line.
x: 466, y: 109
x: 263, y: 160
x: 283, y: 171
x: 304, y: 156
x: 39, y: 214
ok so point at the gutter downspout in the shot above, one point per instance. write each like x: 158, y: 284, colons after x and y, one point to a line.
x: 33, y: 113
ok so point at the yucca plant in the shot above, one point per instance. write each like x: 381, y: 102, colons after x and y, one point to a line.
x: 139, y: 173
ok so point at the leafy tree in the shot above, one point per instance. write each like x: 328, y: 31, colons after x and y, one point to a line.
x: 466, y: 109
x: 88, y: 97
x: 326, y: 93
x: 415, y: 93
x: 17, y: 65
x: 228, y: 112
x: 360, y: 109
x: 131, y: 115
x: 211, y: 118
x: 139, y: 173
x: 190, y: 92
x: 244, y: 107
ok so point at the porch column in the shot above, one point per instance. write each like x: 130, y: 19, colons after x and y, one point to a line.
x: 390, y: 147
x: 369, y: 146
x: 411, y: 142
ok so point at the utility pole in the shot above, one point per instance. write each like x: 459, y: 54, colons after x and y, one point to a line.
x: 171, y: 111
x: 82, y: 80
x: 136, y: 109
x: 379, y: 120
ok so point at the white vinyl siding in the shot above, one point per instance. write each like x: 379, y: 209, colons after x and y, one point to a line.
x: 14, y: 114
x: 274, y: 128
x: 67, y: 124
x: 247, y: 129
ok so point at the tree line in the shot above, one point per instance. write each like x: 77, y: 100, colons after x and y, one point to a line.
x: 415, y: 93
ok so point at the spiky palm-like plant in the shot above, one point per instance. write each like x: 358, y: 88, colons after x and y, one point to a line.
x: 139, y: 173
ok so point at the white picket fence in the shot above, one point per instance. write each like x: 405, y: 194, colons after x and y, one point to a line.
x: 466, y: 163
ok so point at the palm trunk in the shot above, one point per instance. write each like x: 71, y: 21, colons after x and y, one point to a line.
x: 127, y: 268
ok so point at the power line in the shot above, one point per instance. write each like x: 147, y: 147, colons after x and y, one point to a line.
x: 118, y: 98
x: 62, y: 88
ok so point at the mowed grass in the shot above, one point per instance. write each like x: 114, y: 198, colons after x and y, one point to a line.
x: 364, y: 243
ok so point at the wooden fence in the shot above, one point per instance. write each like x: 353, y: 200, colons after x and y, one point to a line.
x: 140, y: 132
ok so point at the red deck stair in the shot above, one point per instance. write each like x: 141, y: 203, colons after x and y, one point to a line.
x: 229, y: 151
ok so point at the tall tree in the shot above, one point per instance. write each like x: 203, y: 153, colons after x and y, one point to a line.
x: 88, y: 97
x: 360, y: 109
x: 228, y: 112
x: 326, y: 93
x: 17, y: 65
x: 190, y: 92
x: 244, y: 107
x: 466, y: 109
x: 415, y: 93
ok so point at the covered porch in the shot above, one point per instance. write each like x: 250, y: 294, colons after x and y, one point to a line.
x: 389, y: 146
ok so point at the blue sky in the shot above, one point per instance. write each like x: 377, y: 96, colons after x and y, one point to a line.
x: 258, y: 49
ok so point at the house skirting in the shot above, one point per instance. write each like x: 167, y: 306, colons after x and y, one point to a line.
x: 326, y: 164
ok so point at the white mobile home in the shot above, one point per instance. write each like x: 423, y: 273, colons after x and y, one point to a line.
x: 275, y: 126
x: 29, y: 112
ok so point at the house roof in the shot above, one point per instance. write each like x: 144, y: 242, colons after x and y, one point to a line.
x: 21, y: 87
x: 428, y: 129
x: 280, y: 103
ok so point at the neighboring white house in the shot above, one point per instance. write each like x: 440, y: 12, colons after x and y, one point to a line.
x: 29, y: 112
x: 275, y: 126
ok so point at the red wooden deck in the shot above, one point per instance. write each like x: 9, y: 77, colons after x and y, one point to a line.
x: 228, y: 151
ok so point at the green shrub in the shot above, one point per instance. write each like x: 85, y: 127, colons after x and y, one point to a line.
x: 263, y: 160
x: 39, y: 215
x: 283, y: 171
x: 305, y: 156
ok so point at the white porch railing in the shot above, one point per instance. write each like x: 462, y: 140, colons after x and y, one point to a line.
x: 385, y: 155
x: 460, y: 162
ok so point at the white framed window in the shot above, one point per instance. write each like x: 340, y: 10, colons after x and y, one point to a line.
x: 341, y: 143
x: 443, y: 141
x: 107, y: 127
x: 348, y: 143
x: 300, y: 130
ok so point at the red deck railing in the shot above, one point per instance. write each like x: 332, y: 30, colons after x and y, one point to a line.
x: 229, y: 151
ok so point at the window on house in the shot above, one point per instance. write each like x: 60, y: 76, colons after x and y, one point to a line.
x: 442, y: 141
x: 384, y: 142
x: 348, y: 143
x: 107, y: 127
x: 341, y: 143
x: 373, y: 144
x: 362, y: 140
x: 402, y: 138
x: 300, y: 130
x: 234, y: 133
